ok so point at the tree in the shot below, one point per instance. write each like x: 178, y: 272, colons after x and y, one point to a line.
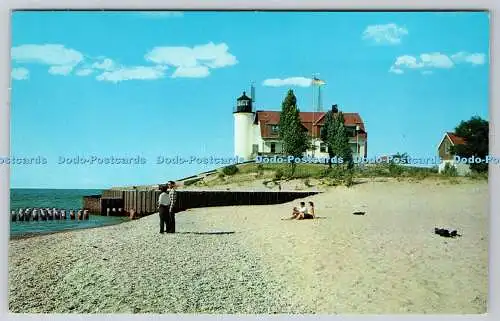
x: 340, y: 142
x: 291, y: 132
x: 475, y: 133
x: 328, y: 133
x: 401, y: 158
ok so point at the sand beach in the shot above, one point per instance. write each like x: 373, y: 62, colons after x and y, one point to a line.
x: 245, y: 259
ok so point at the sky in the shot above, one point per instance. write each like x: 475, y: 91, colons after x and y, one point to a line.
x: 164, y: 84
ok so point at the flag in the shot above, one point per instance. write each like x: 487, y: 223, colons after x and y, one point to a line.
x: 318, y: 82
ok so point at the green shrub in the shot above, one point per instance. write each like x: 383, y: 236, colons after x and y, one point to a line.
x: 301, y: 174
x: 192, y: 181
x: 332, y: 181
x: 322, y: 173
x: 395, y: 169
x: 260, y: 170
x: 278, y: 174
x: 477, y: 175
x: 336, y: 172
x: 449, y: 170
x: 230, y: 170
x: 422, y: 175
x: 348, y: 180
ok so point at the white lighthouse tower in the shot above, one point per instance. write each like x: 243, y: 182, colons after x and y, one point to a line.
x: 243, y: 122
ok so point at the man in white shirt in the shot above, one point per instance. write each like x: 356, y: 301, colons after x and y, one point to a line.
x: 164, y: 205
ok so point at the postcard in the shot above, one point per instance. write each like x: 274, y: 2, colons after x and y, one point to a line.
x: 249, y: 162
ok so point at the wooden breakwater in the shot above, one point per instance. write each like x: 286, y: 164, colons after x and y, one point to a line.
x: 144, y: 202
x: 92, y: 203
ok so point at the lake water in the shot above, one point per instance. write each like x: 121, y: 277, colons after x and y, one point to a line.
x: 68, y: 199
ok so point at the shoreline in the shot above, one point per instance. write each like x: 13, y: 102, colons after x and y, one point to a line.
x: 27, y: 235
x: 387, y: 261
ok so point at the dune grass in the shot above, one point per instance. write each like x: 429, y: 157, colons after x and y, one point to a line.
x: 330, y: 176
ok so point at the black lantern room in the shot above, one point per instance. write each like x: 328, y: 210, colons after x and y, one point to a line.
x: 243, y: 104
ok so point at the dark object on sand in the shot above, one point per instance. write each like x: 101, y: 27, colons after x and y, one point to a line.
x: 358, y: 213
x: 446, y: 233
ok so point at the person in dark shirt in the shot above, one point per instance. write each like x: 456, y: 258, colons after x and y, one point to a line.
x: 172, y: 196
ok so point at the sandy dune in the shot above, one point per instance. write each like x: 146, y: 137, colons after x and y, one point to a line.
x: 386, y: 261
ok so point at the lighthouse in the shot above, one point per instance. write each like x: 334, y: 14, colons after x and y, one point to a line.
x: 243, y: 121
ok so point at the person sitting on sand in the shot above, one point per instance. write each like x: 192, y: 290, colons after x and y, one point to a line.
x: 310, y: 212
x: 303, y: 213
x: 296, y: 211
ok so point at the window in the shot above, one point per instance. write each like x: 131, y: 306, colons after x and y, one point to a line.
x: 274, y: 129
x: 243, y: 103
x: 351, y: 131
x: 273, y: 147
x: 322, y: 148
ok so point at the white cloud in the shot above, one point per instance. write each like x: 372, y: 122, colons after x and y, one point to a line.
x: 61, y: 59
x: 106, y: 64
x: 407, y: 62
x: 174, y: 56
x: 396, y: 70
x: 191, y: 72
x: 20, y: 73
x: 84, y: 72
x: 133, y: 73
x: 60, y: 70
x: 291, y: 81
x: 385, y: 34
x: 214, y: 56
x: 430, y: 60
x: 435, y: 60
x: 190, y: 62
x: 193, y: 61
x: 472, y: 58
